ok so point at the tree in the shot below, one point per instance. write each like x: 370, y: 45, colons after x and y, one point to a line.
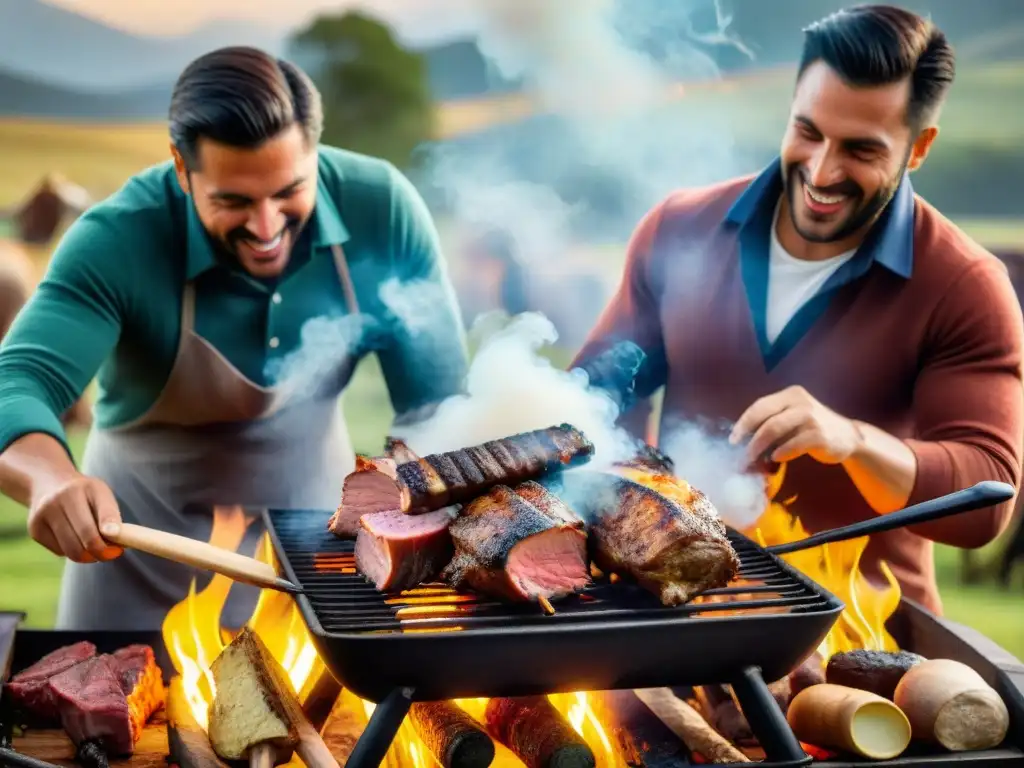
x: 376, y: 93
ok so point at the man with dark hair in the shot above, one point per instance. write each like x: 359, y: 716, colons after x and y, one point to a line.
x: 837, y: 321
x: 224, y: 299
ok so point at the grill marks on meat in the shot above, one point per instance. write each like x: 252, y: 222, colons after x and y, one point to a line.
x: 674, y: 547
x: 520, y: 545
x: 108, y: 698
x: 455, y: 477
x: 398, y: 551
x: 30, y: 690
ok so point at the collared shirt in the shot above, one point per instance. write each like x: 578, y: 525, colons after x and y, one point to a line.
x: 110, y: 304
x: 920, y: 334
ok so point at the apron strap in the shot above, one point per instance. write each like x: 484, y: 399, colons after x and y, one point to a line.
x: 346, y: 279
x: 188, y: 308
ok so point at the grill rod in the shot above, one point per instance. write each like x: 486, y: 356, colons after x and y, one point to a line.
x: 983, y: 494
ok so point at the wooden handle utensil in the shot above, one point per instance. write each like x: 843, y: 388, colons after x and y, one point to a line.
x: 199, y: 554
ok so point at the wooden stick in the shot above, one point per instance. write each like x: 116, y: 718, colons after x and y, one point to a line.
x: 689, y: 726
x: 199, y: 554
x: 261, y: 756
x: 344, y: 726
x: 312, y: 749
x: 546, y: 605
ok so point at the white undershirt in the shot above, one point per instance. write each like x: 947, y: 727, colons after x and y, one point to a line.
x: 792, y: 281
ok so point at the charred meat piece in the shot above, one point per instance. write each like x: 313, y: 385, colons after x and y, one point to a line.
x: 876, y: 671
x: 507, y: 547
x: 454, y: 738
x: 537, y: 733
x: 398, y: 551
x: 29, y: 689
x: 674, y: 547
x: 396, y: 448
x: 456, y: 477
x: 548, y: 503
x: 650, y: 459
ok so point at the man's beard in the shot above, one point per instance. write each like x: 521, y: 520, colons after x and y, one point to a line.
x: 864, y: 210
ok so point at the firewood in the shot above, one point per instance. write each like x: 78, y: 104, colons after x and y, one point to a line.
x: 187, y: 741
x: 643, y: 740
x: 256, y: 706
x: 689, y: 726
x: 344, y: 725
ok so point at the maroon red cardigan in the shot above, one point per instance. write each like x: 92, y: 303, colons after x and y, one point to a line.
x: 920, y: 334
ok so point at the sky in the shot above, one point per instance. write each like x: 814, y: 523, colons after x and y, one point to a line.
x: 416, y: 19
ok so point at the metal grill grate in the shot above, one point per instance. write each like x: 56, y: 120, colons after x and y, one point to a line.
x: 345, y: 602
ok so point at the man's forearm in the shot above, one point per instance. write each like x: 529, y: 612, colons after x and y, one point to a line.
x: 883, y: 468
x: 31, y: 463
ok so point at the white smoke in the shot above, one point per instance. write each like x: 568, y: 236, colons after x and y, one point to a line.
x: 317, y: 362
x: 512, y: 388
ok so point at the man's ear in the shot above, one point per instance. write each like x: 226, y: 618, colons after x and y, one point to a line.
x: 922, y: 145
x: 180, y: 170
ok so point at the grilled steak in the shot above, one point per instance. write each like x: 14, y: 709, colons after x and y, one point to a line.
x: 517, y: 549
x: 29, y: 689
x: 396, y: 448
x: 650, y: 459
x: 455, y: 477
x: 398, y: 551
x: 674, y: 546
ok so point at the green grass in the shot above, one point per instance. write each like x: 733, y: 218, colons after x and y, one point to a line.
x: 30, y: 576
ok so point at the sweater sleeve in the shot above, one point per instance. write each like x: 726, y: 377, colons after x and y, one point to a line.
x: 969, y: 403
x: 633, y: 314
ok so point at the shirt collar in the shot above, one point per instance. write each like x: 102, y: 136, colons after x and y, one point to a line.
x: 327, y: 229
x: 890, y: 243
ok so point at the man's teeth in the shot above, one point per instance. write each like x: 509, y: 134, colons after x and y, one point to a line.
x: 264, y: 247
x: 818, y: 197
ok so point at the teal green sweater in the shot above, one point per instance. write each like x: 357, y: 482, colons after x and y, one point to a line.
x: 109, y: 306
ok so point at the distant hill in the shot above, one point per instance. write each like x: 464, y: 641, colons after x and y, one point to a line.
x: 27, y: 97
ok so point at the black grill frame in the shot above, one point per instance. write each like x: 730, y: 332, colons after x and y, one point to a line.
x: 517, y: 650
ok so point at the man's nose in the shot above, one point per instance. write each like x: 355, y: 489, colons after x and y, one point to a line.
x: 265, y: 221
x: 824, y: 169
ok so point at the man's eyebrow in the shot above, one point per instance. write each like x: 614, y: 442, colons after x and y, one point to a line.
x: 856, y: 142
x: 235, y: 197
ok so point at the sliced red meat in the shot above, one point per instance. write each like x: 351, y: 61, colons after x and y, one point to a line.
x: 362, y: 494
x: 398, y: 551
x: 93, y: 706
x: 29, y: 690
x: 516, y: 550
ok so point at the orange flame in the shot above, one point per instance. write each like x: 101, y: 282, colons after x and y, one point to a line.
x: 836, y: 567
x: 194, y: 638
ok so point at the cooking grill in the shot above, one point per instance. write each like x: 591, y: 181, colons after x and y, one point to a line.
x: 432, y: 643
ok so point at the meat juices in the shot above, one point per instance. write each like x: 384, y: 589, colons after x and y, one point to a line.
x: 398, y: 551
x: 520, y: 545
x: 455, y: 477
x: 674, y: 549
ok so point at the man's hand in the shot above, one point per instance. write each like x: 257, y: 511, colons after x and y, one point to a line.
x: 68, y: 519
x: 790, y: 424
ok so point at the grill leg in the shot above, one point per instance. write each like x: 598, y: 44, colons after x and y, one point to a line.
x: 381, y: 730
x: 767, y: 721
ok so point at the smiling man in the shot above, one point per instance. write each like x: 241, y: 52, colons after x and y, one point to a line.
x: 835, y: 319
x: 224, y: 299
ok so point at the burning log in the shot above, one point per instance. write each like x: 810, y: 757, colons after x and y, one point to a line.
x: 849, y: 719
x: 643, y: 740
x: 724, y: 714
x: 343, y: 728
x: 948, y: 703
x: 686, y: 723
x: 537, y: 733
x: 255, y: 713
x: 876, y: 671
x: 454, y: 738
x: 187, y: 741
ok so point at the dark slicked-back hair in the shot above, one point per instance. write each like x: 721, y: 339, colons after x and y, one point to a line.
x: 875, y: 45
x: 241, y: 97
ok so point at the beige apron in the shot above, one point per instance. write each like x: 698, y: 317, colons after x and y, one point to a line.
x: 212, y: 438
